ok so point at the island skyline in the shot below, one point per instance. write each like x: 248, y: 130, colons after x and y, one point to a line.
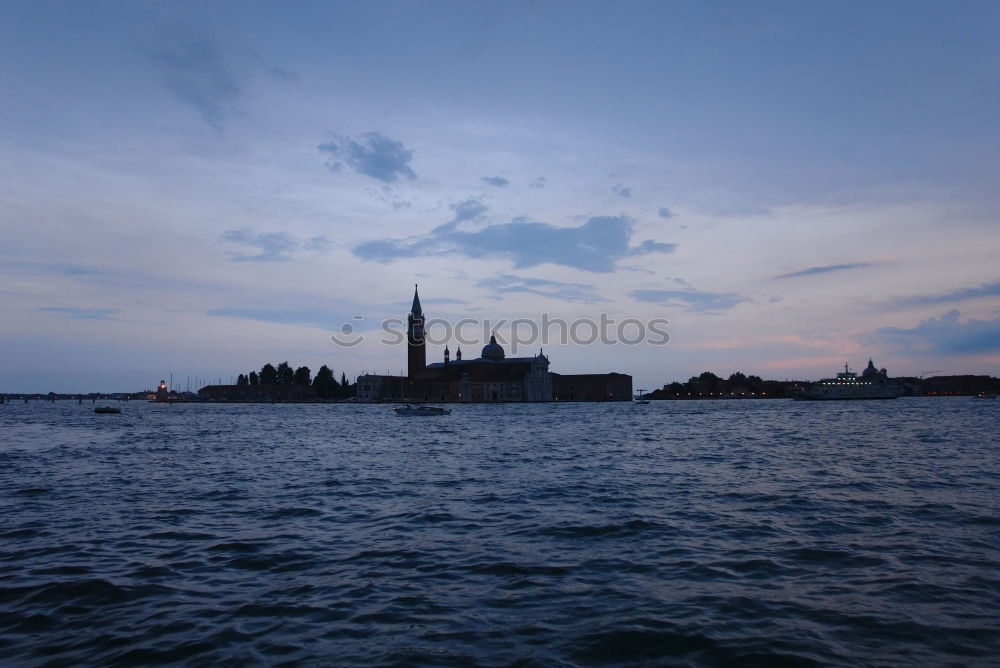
x: 193, y: 189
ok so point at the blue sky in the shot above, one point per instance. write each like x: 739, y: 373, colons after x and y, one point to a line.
x: 198, y: 188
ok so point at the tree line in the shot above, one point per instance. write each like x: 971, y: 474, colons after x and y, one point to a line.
x: 324, y: 384
x: 708, y: 384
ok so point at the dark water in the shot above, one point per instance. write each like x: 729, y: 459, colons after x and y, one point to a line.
x: 754, y: 532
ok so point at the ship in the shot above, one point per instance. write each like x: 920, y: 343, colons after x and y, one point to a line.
x: 871, y: 384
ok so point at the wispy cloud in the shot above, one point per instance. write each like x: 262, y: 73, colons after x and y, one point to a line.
x: 664, y: 212
x: 466, y: 210
x: 825, y: 269
x: 945, y: 335
x: 323, y: 315
x: 306, y: 317
x: 692, y: 300
x: 497, y: 181
x: 650, y: 246
x: 81, y: 313
x: 282, y: 74
x: 317, y: 244
x: 538, y: 182
x: 984, y: 290
x: 195, y: 72
x: 271, y: 246
x: 621, y: 190
x: 568, y: 292
x: 596, y: 245
x: 734, y: 210
x: 370, y: 154
x: 439, y: 300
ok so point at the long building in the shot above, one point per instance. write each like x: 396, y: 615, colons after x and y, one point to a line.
x: 491, y: 377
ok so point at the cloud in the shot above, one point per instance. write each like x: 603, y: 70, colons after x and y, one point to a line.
x: 81, y: 313
x: 595, y: 245
x: 538, y: 182
x: 825, y: 269
x: 497, y: 181
x: 465, y: 210
x: 946, y: 335
x: 468, y: 210
x: 282, y: 74
x: 438, y: 300
x: 735, y: 210
x: 619, y: 189
x: 694, y: 300
x: 195, y: 73
x: 984, y: 290
x: 664, y: 212
x: 318, y: 244
x: 302, y: 317
x: 272, y: 246
x: 650, y: 246
x: 568, y: 292
x: 370, y: 154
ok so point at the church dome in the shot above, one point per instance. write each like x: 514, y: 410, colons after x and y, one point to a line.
x: 492, y: 350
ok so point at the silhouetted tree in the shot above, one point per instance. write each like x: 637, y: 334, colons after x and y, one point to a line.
x: 345, y: 387
x: 268, y: 374
x: 302, y: 376
x: 285, y: 374
x: 241, y: 380
x: 324, y: 383
x: 253, y: 378
x: 737, y: 377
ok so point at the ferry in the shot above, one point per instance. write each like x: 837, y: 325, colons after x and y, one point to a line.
x: 872, y: 384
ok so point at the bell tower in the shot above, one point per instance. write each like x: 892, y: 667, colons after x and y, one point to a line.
x: 416, y: 351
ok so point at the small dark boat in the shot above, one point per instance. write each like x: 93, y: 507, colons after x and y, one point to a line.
x: 420, y: 410
x: 107, y: 410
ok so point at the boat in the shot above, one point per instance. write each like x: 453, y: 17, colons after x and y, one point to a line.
x: 408, y: 410
x: 107, y: 410
x: 871, y: 384
x: 986, y: 395
x: 639, y: 400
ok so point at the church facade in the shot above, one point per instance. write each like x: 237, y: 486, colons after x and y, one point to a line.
x: 491, y: 377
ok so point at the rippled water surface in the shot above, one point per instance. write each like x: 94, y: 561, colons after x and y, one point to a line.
x: 768, y: 532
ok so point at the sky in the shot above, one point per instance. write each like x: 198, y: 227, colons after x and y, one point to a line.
x: 193, y: 189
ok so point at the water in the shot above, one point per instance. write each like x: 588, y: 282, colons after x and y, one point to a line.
x: 764, y: 532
